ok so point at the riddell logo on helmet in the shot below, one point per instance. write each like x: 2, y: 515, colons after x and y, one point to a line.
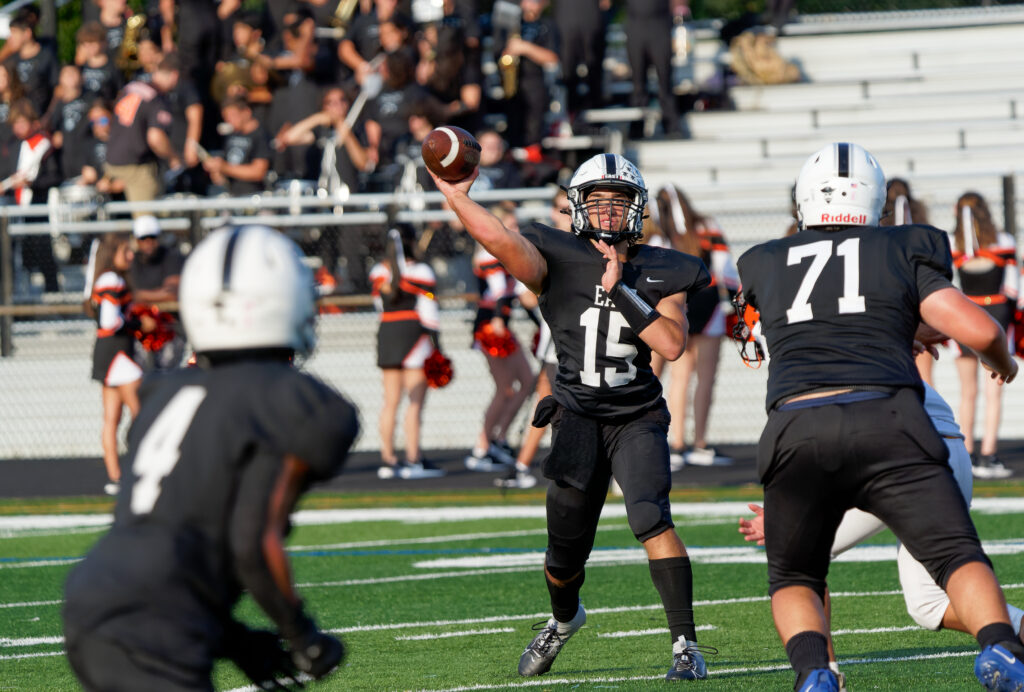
x: 844, y: 218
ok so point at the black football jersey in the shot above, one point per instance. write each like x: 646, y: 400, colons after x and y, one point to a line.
x: 204, y: 455
x: 840, y: 308
x: 604, y: 369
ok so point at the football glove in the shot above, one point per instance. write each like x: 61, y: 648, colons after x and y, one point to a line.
x: 260, y: 655
x: 317, y: 653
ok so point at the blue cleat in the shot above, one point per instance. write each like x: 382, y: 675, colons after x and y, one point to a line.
x: 820, y: 680
x: 999, y: 670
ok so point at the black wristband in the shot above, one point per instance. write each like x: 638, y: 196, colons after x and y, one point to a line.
x: 639, y: 315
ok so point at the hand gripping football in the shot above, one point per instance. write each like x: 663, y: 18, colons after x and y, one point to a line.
x: 451, y: 153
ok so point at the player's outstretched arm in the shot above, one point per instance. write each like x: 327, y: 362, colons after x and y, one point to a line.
x: 267, y: 493
x: 952, y: 313
x: 518, y: 255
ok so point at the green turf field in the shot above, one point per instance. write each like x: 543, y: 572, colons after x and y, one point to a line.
x: 438, y: 592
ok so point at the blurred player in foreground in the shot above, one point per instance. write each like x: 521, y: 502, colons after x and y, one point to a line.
x: 218, y: 457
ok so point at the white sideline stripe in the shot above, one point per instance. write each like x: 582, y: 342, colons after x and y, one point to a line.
x: 40, y: 563
x: 446, y: 635
x: 30, y: 604
x: 712, y: 672
x: 452, y: 538
x: 681, y: 511
x: 30, y: 641
x: 716, y: 555
x: 46, y: 533
x: 13, y: 657
x: 644, y: 633
x: 877, y: 630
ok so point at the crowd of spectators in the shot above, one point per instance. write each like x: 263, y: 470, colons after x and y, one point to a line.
x: 206, y: 97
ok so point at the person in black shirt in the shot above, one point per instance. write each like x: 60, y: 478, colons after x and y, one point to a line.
x: 113, y: 17
x: 497, y: 169
x: 94, y: 163
x: 387, y: 115
x: 362, y: 40
x: 67, y: 120
x: 649, y: 42
x: 35, y: 66
x: 218, y: 456
x: 581, y: 29
x: 535, y: 49
x: 100, y: 78
x: 341, y: 148
x: 247, y: 152
x: 155, y: 276
x: 840, y: 303
x: 139, y: 134
x: 609, y: 303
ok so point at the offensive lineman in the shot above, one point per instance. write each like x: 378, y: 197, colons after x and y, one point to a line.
x: 840, y: 302
x: 609, y: 303
x: 218, y: 457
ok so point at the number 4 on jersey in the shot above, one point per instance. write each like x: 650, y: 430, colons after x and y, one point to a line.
x: 160, y: 448
x: 851, y: 301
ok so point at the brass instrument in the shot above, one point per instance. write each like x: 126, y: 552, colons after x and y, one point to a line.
x: 128, y: 58
x: 343, y: 15
x: 508, y: 68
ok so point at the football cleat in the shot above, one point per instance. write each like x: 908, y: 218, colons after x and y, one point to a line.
x: 676, y: 459
x: 485, y: 464
x: 517, y: 479
x: 502, y: 452
x: 420, y: 469
x: 820, y: 680
x: 706, y: 457
x: 112, y: 488
x: 998, y: 669
x: 688, y: 660
x: 541, y: 653
x: 988, y: 466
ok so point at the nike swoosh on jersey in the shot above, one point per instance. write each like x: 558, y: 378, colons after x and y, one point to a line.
x: 655, y: 281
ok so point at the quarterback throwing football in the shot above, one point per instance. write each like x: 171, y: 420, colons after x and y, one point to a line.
x: 609, y: 303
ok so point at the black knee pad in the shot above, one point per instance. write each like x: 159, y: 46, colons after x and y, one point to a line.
x: 647, y: 520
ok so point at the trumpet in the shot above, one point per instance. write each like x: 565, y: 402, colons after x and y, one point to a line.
x: 508, y: 67
x: 128, y: 58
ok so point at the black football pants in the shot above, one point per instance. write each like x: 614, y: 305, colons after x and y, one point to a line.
x: 636, y: 453
x: 882, y: 456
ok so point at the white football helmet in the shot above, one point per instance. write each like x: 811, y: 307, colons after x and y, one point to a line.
x: 608, y: 171
x: 245, y: 287
x: 840, y: 185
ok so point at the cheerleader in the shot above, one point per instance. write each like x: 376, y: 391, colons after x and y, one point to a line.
x: 513, y: 378
x: 112, y: 364
x: 691, y: 232
x: 985, y: 262
x: 403, y: 290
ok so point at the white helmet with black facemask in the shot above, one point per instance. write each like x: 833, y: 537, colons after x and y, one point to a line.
x: 608, y: 172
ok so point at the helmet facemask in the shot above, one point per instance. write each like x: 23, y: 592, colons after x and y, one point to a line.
x: 607, y: 172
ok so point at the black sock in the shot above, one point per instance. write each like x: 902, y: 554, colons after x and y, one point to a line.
x: 565, y: 600
x: 1000, y: 633
x: 807, y: 651
x: 673, y: 578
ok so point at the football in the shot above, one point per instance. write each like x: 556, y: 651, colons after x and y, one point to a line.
x: 451, y: 153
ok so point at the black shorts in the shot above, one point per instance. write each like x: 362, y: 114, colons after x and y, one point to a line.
x: 105, y: 666
x: 636, y: 454
x: 700, y: 308
x: 399, y: 344
x: 112, y: 362
x: 882, y: 456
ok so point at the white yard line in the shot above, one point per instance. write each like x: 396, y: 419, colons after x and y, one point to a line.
x: 681, y: 511
x: 447, y: 635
